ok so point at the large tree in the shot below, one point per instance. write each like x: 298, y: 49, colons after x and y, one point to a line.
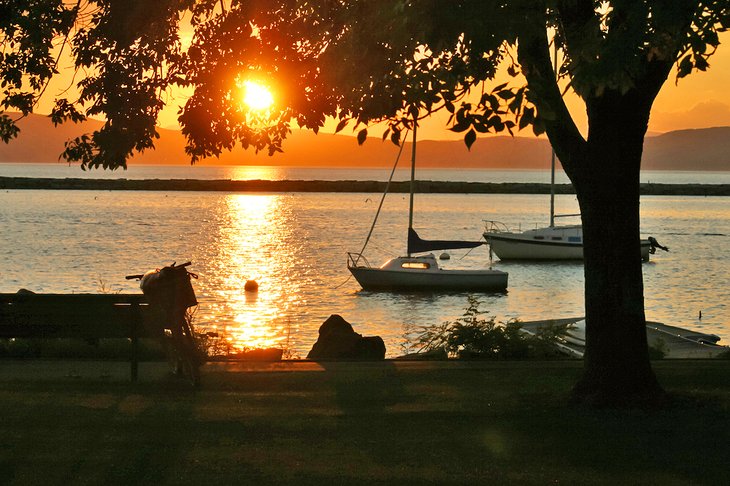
x: 392, y: 61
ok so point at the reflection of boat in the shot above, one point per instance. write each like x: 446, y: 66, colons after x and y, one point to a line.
x: 672, y: 341
x: 422, y: 272
x: 550, y: 243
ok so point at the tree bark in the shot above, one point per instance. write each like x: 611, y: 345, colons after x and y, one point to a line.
x: 604, y: 169
x: 617, y: 369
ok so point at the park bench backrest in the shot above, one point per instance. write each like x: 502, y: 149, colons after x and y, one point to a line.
x: 77, y: 316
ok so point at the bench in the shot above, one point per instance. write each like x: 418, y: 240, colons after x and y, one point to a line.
x: 83, y: 316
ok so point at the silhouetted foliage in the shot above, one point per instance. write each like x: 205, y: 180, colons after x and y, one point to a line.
x: 476, y: 336
x: 359, y: 61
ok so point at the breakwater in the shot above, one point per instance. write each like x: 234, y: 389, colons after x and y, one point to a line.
x: 267, y: 186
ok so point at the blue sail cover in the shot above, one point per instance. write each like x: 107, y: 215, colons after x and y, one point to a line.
x: 417, y: 245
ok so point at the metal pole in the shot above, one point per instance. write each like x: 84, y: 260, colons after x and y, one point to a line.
x: 413, y: 177
x: 552, y: 157
x: 552, y: 189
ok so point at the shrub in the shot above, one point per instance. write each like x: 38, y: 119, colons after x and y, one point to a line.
x: 474, y: 336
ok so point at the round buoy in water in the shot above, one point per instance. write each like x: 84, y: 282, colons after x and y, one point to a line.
x: 251, y: 286
x: 444, y: 256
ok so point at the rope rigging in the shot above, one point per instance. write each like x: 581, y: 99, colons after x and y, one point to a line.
x: 377, y: 213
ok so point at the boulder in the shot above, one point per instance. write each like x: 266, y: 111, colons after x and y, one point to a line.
x: 339, y: 341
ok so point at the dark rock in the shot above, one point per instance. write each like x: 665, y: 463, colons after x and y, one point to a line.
x: 339, y: 341
x: 371, y: 348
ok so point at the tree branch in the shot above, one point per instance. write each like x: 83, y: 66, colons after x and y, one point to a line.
x: 534, y: 56
x: 578, y: 23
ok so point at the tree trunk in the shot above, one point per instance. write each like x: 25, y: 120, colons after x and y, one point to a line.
x: 604, y: 169
x: 617, y: 369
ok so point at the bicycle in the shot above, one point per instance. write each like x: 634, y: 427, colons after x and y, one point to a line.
x: 170, y: 292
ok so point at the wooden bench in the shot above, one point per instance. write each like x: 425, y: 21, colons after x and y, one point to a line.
x: 83, y: 316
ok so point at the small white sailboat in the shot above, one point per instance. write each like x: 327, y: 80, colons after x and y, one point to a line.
x: 549, y: 243
x: 552, y: 242
x: 422, y: 272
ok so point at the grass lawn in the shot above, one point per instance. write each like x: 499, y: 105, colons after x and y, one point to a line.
x: 361, y: 423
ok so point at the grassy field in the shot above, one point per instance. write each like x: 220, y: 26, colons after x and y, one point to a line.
x: 356, y: 423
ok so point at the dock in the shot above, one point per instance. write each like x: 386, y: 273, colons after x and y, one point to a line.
x: 675, y: 342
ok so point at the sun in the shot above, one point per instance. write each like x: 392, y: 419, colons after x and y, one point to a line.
x: 256, y: 96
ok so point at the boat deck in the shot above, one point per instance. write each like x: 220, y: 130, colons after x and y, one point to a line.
x: 676, y: 342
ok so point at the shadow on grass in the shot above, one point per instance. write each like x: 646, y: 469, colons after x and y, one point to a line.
x: 363, y: 423
x: 369, y: 391
x: 100, y: 433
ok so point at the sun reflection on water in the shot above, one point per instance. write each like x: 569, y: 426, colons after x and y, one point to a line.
x: 251, y: 246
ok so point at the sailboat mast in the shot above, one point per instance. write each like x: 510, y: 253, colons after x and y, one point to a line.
x: 552, y: 189
x: 413, y: 177
x: 552, y: 150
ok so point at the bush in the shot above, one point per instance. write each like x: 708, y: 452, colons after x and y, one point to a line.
x: 473, y: 336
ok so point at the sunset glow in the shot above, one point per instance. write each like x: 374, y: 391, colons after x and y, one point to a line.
x: 256, y: 96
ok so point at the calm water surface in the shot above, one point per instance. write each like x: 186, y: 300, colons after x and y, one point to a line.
x: 295, y: 246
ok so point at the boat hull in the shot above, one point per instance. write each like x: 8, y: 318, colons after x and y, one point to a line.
x: 518, y: 247
x: 457, y: 280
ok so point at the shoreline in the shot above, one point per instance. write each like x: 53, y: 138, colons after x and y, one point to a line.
x: 345, y: 186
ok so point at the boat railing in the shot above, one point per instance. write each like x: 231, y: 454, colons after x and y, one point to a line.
x: 496, y: 227
x: 491, y: 226
x: 355, y: 260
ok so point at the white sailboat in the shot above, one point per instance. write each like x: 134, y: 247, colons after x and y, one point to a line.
x: 412, y: 272
x: 550, y: 243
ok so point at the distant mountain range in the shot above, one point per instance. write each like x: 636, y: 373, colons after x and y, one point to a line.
x: 695, y: 149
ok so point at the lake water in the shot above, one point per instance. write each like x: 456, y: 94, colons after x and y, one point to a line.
x: 295, y: 244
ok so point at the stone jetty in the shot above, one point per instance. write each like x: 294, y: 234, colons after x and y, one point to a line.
x: 266, y: 186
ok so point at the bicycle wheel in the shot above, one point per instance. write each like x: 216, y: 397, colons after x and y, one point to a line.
x: 188, y: 352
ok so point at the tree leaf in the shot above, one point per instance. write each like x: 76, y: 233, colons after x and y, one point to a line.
x: 701, y: 63
x: 528, y: 115
x: 342, y: 124
x: 8, y: 128
x: 461, y: 126
x: 505, y: 94
x: 362, y: 135
x: 685, y: 66
x: 470, y: 138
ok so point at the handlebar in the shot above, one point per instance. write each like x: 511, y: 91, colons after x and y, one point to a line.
x: 139, y: 276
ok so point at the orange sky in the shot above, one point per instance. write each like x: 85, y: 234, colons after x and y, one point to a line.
x: 698, y: 101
